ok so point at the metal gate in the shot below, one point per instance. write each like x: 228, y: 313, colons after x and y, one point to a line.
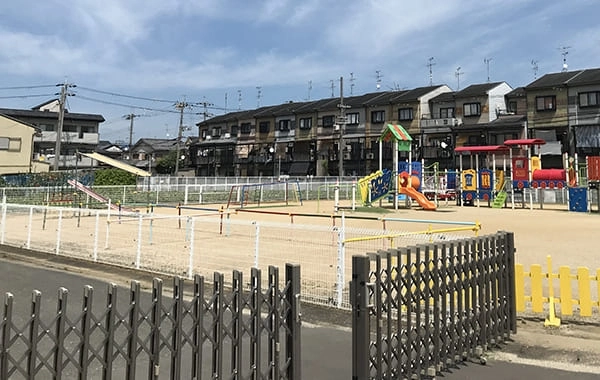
x: 245, y: 332
x: 420, y: 310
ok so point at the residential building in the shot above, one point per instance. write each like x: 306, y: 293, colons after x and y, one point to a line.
x: 564, y: 110
x: 16, y: 147
x: 80, y: 133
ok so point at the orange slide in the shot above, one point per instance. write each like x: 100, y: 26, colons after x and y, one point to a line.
x: 419, y: 197
x: 403, y: 181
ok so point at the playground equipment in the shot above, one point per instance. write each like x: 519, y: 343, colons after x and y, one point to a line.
x: 482, y: 184
x: 408, y: 184
x: 91, y: 193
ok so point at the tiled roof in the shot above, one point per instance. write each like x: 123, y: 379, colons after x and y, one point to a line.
x: 553, y: 79
x: 517, y: 92
x: 446, y: 97
x: 477, y: 89
x: 50, y: 115
x: 414, y: 94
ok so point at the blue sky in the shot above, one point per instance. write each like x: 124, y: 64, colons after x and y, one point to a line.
x: 222, y: 51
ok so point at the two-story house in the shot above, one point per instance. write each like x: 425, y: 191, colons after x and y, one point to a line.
x: 16, y: 148
x: 79, y: 133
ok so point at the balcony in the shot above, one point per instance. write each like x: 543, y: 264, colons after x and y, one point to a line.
x: 441, y: 123
x: 69, y: 138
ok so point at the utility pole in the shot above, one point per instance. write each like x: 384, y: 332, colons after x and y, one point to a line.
x: 181, y: 106
x: 130, y: 117
x: 61, y: 117
x: 342, y: 125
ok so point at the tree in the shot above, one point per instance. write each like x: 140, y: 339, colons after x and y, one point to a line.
x: 166, y: 164
x: 112, y: 177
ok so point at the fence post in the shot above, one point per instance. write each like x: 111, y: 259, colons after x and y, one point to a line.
x: 510, y: 266
x: 58, y: 231
x: 134, y: 311
x: 34, y: 326
x: 138, y: 255
x: 61, y: 316
x: 3, y: 231
x: 256, y: 241
x: 154, y: 354
x: 29, y: 228
x: 191, y: 255
x: 86, y: 318
x: 359, y: 297
x: 185, y: 195
x: 177, y: 338
x: 6, y: 328
x: 96, y: 231
x: 341, y: 263
x: 197, y: 311
x: 109, y: 320
x: 293, y: 322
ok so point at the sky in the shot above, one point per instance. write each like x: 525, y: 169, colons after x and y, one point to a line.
x: 142, y: 57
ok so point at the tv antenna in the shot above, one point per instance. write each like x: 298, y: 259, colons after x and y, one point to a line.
x: 564, y: 52
x: 457, y: 74
x: 352, y: 79
x: 378, y: 76
x: 309, y: 89
x: 430, y: 64
x: 258, y: 96
x: 487, y: 64
x: 534, y: 67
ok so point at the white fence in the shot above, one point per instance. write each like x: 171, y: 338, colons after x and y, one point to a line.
x: 204, y: 243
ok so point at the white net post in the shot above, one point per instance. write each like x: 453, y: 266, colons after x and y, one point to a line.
x: 96, y: 233
x: 341, y: 263
x: 29, y: 224
x: 58, y: 231
x: 2, y: 233
x: 256, y: 243
x: 138, y: 255
x: 191, y: 258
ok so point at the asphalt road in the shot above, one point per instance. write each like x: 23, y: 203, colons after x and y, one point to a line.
x: 326, y: 350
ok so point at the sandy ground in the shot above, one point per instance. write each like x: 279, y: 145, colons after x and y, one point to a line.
x: 568, y: 237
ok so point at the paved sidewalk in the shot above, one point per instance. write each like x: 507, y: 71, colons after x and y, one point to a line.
x: 571, y: 352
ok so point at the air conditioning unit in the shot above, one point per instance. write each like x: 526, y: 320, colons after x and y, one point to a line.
x: 347, y: 156
x: 370, y: 156
x: 208, y: 137
x: 227, y: 135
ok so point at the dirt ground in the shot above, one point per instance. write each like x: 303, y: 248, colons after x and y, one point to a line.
x: 568, y: 237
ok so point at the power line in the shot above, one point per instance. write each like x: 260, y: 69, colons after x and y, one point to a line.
x: 128, y: 96
x: 126, y: 105
x: 28, y: 87
x: 26, y: 96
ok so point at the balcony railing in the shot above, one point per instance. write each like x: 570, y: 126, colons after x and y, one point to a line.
x: 69, y: 137
x: 445, y: 122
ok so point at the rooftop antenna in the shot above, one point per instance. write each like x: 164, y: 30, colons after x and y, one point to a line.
x: 487, y: 64
x: 457, y: 74
x: 352, y: 79
x: 430, y: 64
x: 332, y: 86
x: 258, y: 95
x: 564, y: 52
x: 309, y: 88
x: 225, y: 102
x: 239, y: 99
x: 378, y: 76
x: 534, y: 67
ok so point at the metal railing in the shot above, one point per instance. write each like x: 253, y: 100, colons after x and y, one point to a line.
x: 239, y: 333
x: 419, y: 310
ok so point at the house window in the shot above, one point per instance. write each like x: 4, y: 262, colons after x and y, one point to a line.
x: 589, y: 99
x: 12, y: 144
x: 306, y: 123
x: 405, y: 114
x: 216, y: 132
x: 472, y: 109
x: 446, y: 113
x: 328, y: 121
x: 512, y: 107
x: 545, y: 103
x: 285, y: 125
x: 245, y: 128
x: 264, y: 126
x: 377, y: 116
x: 234, y: 130
x: 352, y: 118
x: 203, y: 133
